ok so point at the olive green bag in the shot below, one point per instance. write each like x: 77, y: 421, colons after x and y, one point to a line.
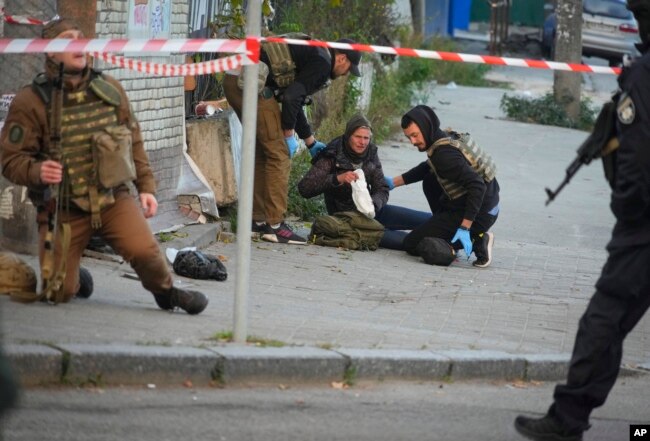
x: 347, y: 229
x: 113, y: 156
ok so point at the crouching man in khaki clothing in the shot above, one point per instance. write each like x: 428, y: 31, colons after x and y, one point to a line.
x: 76, y: 147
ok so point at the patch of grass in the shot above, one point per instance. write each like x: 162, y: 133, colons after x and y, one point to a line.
x: 547, y: 111
x: 154, y: 343
x: 166, y: 237
x: 222, y: 336
x: 350, y: 376
x: 264, y: 342
x: 306, y: 209
x: 227, y: 336
x: 230, y: 215
x: 415, y: 70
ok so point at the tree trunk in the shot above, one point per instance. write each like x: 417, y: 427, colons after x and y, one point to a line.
x: 568, y: 48
x: 417, y: 16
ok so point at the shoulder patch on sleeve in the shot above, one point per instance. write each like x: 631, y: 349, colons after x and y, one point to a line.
x: 16, y: 134
x: 625, y: 109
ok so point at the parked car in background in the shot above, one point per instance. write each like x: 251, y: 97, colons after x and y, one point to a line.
x: 608, y: 31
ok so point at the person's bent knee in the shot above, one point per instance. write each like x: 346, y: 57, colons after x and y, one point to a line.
x: 410, y: 244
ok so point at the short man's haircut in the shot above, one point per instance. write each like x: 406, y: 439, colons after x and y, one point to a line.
x: 406, y: 121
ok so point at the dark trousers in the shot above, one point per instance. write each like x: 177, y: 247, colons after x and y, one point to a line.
x: 396, y: 220
x: 622, y: 297
x: 443, y: 224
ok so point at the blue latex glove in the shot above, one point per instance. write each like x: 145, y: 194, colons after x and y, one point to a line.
x: 463, y: 236
x: 292, y: 145
x: 316, y: 148
x: 389, y: 182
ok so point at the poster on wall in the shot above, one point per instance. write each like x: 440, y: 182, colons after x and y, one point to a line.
x: 149, y: 19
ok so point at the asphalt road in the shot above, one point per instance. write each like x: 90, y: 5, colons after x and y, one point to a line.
x: 380, y: 411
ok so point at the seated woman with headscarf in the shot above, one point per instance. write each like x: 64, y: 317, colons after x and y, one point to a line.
x: 333, y: 171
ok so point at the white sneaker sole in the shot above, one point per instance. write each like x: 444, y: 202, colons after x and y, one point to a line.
x: 274, y: 238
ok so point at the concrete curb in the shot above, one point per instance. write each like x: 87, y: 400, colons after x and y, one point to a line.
x: 234, y: 365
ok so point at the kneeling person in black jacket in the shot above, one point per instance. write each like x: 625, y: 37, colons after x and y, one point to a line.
x: 459, y: 181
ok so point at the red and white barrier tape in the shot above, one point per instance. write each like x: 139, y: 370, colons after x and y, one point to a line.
x: 18, y: 19
x: 22, y: 45
x: 454, y: 56
x: 251, y: 45
x: 177, y: 70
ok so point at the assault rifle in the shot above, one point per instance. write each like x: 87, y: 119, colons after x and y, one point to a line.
x: 53, y: 277
x: 601, y: 142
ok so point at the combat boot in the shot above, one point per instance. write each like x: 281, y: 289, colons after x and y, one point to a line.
x: 192, y: 302
x: 547, y: 428
x: 86, y: 284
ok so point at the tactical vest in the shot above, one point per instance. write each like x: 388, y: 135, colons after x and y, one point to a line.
x: 281, y: 64
x: 84, y: 114
x: 480, y: 161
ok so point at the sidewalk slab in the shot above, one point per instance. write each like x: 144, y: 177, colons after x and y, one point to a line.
x: 402, y: 364
x: 35, y: 364
x: 250, y: 364
x: 485, y: 364
x: 133, y: 364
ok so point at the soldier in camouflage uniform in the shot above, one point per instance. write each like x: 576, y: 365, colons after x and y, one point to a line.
x: 459, y: 182
x: 95, y: 111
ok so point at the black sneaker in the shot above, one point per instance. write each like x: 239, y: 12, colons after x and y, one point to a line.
x: 192, y: 302
x: 483, y: 250
x: 545, y: 429
x: 86, y: 284
x: 255, y: 228
x: 282, y: 234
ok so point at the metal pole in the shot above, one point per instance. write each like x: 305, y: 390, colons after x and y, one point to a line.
x: 245, y: 208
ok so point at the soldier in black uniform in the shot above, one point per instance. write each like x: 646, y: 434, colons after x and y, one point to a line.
x: 623, y: 291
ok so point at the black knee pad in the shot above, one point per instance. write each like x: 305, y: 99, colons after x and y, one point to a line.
x: 436, y: 251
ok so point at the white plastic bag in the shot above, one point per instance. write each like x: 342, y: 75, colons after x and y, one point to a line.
x: 361, y: 195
